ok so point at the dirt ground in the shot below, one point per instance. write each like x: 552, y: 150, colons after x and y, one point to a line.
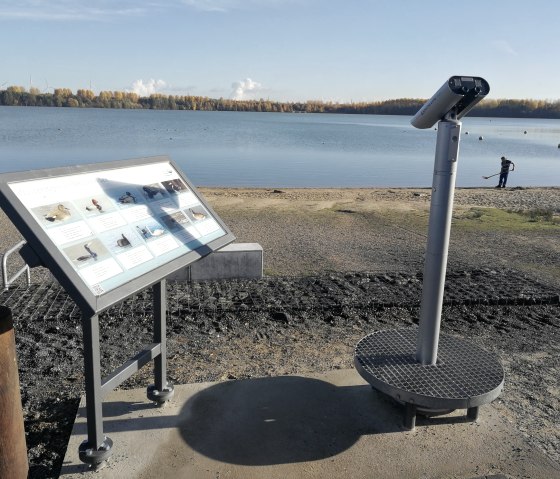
x: 339, y: 264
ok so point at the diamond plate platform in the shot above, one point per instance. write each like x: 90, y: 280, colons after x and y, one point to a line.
x: 464, y: 377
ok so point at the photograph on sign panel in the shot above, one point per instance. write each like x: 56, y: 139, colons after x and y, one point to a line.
x: 127, y: 198
x: 86, y: 252
x: 175, y: 186
x: 54, y: 214
x: 154, y: 192
x: 182, y: 229
x: 127, y: 246
x: 197, y: 213
x: 94, y: 205
x: 121, y: 239
x: 122, y: 194
x: 203, y: 222
x: 175, y: 221
x: 150, y: 229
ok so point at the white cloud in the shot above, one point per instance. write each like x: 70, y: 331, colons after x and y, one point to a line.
x: 148, y: 88
x: 209, y: 5
x: 504, y: 47
x: 241, y: 88
x: 228, y: 5
x: 110, y: 10
x: 69, y: 10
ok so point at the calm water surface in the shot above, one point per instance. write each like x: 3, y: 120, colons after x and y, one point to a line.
x: 278, y: 150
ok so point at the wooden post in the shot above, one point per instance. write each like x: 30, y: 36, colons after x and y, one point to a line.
x: 13, y: 449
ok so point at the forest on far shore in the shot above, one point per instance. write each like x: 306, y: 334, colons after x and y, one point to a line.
x: 64, y: 97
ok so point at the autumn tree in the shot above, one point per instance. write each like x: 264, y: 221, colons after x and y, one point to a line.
x: 85, y: 94
x: 15, y: 89
x: 62, y: 92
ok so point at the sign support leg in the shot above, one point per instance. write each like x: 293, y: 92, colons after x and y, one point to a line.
x: 162, y: 391
x: 97, y: 448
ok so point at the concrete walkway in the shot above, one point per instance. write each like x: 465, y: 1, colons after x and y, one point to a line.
x: 321, y: 426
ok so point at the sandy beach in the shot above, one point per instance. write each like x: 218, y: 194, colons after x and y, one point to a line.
x: 327, y: 253
x: 309, y: 231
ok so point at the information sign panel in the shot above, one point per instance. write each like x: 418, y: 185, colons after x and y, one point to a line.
x: 107, y: 230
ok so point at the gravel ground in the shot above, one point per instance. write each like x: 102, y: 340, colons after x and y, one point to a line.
x: 310, y: 231
x: 340, y: 264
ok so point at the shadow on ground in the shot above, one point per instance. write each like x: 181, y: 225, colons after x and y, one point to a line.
x: 282, y: 420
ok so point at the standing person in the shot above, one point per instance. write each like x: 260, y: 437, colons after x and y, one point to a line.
x: 504, y: 171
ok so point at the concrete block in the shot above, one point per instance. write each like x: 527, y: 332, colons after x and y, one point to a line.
x: 236, y: 260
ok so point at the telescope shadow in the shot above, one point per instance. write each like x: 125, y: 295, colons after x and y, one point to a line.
x: 283, y: 420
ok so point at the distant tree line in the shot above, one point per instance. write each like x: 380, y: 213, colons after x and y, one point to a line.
x: 83, y: 98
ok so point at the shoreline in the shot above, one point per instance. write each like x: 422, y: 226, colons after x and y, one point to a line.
x: 517, y: 198
x: 396, y: 107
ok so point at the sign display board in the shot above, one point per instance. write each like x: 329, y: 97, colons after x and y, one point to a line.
x: 110, y: 229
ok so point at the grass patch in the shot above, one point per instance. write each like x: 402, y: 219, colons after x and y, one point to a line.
x: 485, y: 219
x: 474, y: 213
x: 539, y: 214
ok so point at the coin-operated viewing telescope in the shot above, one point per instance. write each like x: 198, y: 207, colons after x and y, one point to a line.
x: 457, y: 96
x: 404, y: 363
x: 452, y: 101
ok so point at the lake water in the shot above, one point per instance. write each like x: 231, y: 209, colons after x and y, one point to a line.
x: 278, y: 150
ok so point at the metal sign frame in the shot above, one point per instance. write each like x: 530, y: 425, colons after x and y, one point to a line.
x: 42, y: 249
x: 41, y: 244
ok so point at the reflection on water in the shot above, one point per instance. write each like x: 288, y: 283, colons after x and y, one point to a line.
x: 278, y: 150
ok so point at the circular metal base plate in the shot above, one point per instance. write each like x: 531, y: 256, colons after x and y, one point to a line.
x: 464, y: 376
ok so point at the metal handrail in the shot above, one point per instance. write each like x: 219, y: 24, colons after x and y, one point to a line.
x: 24, y: 269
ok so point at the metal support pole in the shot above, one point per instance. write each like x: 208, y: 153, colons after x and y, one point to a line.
x: 443, y: 189
x: 162, y: 390
x: 97, y: 448
x: 160, y: 312
x: 13, y: 450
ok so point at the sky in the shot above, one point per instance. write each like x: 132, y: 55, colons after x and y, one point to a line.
x: 284, y: 50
